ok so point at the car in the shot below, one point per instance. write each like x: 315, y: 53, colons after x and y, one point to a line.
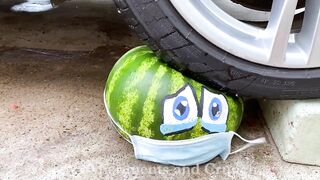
x: 254, y: 48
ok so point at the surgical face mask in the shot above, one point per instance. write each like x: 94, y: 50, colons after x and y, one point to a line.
x: 187, y: 152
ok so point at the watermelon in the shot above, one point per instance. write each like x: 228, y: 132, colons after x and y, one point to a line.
x: 137, y: 88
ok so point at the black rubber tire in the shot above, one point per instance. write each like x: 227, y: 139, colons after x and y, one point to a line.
x: 167, y: 33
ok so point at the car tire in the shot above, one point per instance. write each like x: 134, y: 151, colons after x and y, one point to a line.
x: 180, y: 46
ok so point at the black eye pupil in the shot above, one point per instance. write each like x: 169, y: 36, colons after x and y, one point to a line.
x: 215, y: 109
x: 181, y: 108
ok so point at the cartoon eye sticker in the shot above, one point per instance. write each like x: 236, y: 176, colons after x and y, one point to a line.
x: 214, y: 111
x: 180, y: 111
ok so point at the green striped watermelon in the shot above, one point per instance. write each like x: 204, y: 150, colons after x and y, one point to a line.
x: 135, y: 91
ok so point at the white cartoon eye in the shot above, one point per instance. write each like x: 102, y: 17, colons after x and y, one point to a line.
x: 180, y: 111
x: 214, y: 111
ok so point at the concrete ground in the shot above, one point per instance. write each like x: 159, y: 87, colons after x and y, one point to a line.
x: 53, y: 125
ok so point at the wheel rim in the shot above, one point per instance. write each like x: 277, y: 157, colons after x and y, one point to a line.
x: 272, y: 46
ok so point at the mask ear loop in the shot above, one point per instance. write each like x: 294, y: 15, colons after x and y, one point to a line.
x: 250, y: 143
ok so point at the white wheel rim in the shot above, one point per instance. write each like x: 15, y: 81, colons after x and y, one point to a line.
x: 273, y: 46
